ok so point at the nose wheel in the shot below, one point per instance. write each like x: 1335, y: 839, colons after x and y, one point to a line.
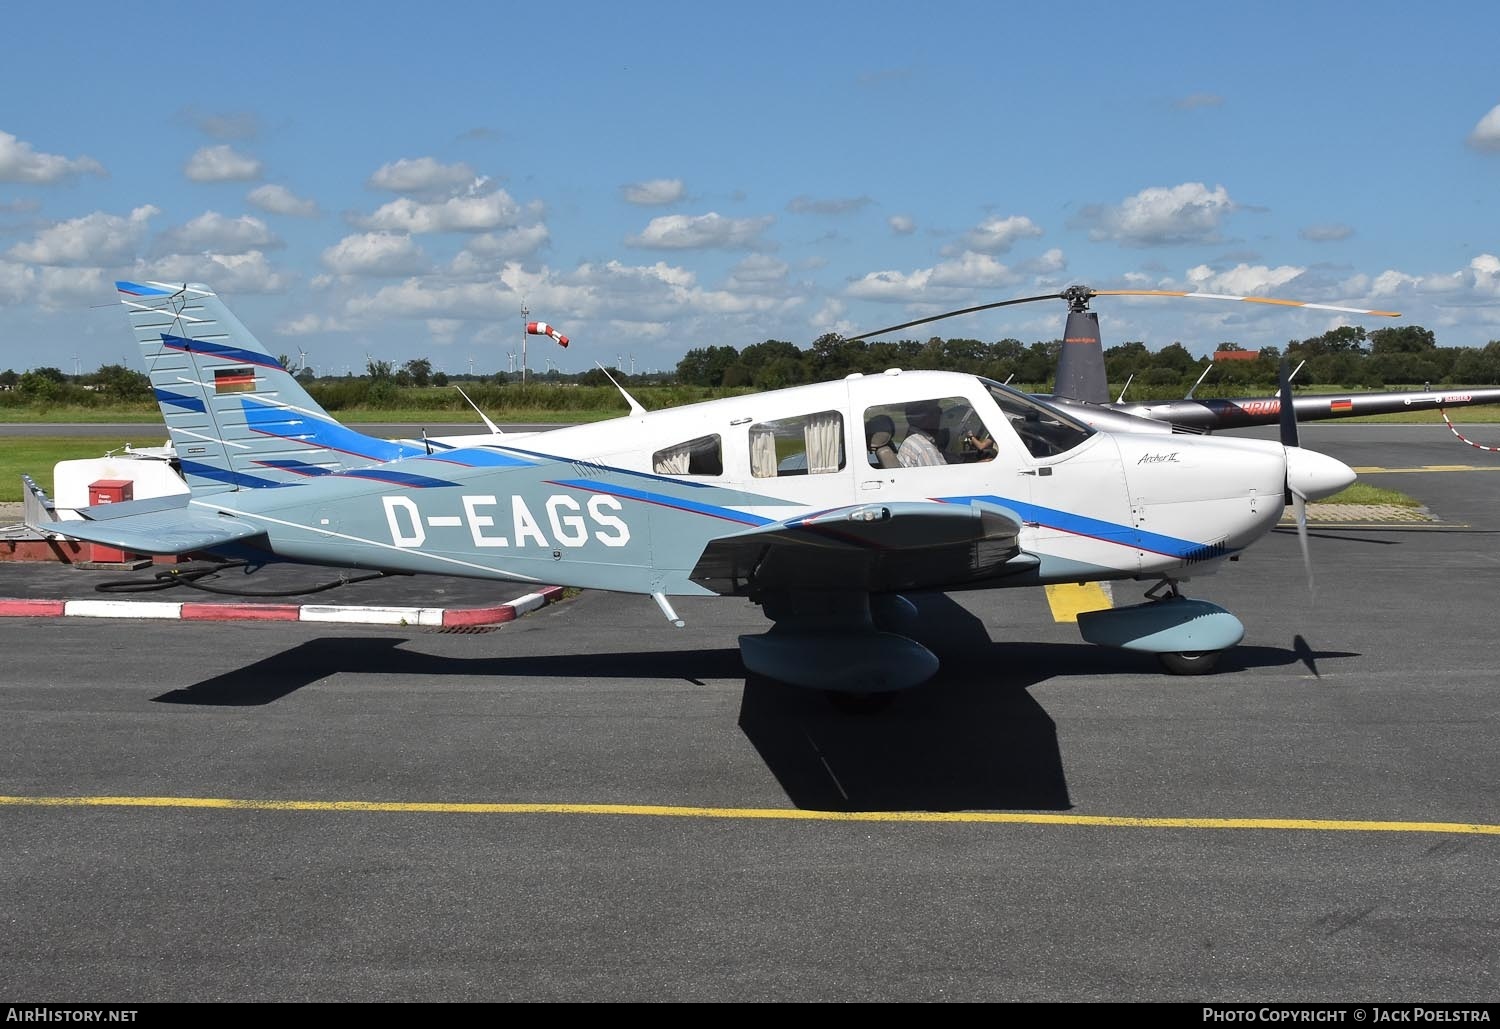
x: 1190, y: 662
x: 1181, y: 662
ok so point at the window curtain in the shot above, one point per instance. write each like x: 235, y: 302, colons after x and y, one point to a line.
x: 824, y: 436
x: 762, y: 451
x: 674, y: 462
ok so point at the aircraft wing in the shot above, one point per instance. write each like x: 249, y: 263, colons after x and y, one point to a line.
x: 157, y: 525
x: 868, y: 547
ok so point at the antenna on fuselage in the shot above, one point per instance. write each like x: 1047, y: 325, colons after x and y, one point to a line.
x: 635, y: 405
x: 1189, y: 394
x: 482, y: 416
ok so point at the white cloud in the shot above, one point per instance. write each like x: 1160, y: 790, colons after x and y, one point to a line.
x: 20, y: 163
x: 1477, y: 282
x: 1486, y: 271
x: 216, y: 232
x: 484, y: 250
x: 632, y: 298
x: 830, y: 312
x: 1486, y: 135
x: 424, y: 175
x: 654, y: 192
x: 998, y: 235
x: 613, y: 275
x: 52, y: 288
x: 758, y: 272
x: 230, y: 273
x: 444, y: 330
x: 375, y: 253
x: 704, y: 231
x: 1162, y: 216
x: 311, y: 325
x: 945, y: 282
x: 221, y: 164
x: 1242, y: 280
x: 901, y: 225
x: 972, y: 270
x: 1050, y: 263
x: 275, y: 199
x: 457, y: 214
x: 422, y: 298
x: 890, y: 286
x: 1387, y: 284
x: 94, y: 239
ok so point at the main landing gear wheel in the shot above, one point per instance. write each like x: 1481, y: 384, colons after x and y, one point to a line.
x: 1190, y: 662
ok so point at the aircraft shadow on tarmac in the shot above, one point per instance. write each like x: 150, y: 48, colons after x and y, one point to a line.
x: 973, y: 738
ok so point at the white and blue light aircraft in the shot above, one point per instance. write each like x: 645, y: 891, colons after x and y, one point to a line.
x: 795, y: 499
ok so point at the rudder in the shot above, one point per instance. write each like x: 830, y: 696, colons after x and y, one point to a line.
x: 237, y: 418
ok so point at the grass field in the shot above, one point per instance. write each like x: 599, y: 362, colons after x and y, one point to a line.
x: 36, y: 455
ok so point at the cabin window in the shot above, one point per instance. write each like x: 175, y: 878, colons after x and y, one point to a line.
x: 956, y: 433
x: 701, y: 456
x: 809, y: 444
x: 1045, y: 430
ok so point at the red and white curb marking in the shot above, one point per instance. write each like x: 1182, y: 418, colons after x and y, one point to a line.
x: 437, y: 617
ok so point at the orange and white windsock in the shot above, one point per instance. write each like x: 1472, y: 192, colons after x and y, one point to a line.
x: 543, y: 329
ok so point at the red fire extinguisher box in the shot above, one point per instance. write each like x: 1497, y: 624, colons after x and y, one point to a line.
x: 111, y: 491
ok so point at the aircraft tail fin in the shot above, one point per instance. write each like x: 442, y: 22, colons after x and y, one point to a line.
x: 237, y: 418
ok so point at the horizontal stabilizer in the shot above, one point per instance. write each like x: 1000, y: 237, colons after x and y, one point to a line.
x: 868, y: 547
x: 141, y: 526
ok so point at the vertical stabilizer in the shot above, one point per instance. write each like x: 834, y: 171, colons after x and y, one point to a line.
x: 237, y: 418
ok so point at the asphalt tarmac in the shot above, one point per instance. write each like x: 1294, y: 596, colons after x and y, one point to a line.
x: 587, y: 804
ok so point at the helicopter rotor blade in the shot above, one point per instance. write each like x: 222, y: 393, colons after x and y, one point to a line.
x: 1248, y: 300
x: 954, y: 314
x: 1079, y: 296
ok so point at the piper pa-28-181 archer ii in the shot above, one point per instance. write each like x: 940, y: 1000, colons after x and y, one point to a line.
x: 792, y: 498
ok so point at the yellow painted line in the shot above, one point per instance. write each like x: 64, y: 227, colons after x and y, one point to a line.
x: 1070, y: 599
x: 770, y: 814
x: 1374, y: 470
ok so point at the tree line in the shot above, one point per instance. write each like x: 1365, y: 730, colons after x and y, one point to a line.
x: 1346, y: 357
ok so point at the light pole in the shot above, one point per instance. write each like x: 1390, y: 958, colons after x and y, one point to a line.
x: 525, y: 313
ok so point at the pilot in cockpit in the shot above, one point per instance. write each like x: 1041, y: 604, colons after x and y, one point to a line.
x: 921, y: 447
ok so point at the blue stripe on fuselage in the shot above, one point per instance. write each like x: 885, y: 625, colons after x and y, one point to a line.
x: 238, y: 479
x: 1094, y: 528
x: 298, y: 427
x: 395, y: 478
x: 480, y: 457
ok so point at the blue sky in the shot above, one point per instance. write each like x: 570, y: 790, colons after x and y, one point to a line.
x: 397, y: 180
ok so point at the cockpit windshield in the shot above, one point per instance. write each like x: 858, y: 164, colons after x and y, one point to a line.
x: 1045, y: 430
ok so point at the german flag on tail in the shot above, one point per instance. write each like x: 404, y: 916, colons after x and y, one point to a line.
x: 234, y: 380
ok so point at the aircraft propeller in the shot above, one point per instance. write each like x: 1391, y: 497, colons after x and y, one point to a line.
x: 1289, y: 440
